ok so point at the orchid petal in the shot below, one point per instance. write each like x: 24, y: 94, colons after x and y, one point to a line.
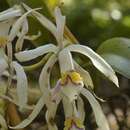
x: 16, y: 27
x: 65, y: 61
x: 4, y: 27
x: 3, y: 65
x: 34, y: 53
x: 44, y: 79
x: 33, y: 37
x: 85, y: 75
x: 24, y: 31
x: 99, y: 116
x: 60, y: 21
x: 3, y: 62
x: 43, y: 20
x: 3, y: 123
x: 10, y: 51
x: 97, y: 61
x: 68, y: 107
x: 22, y: 84
x: 50, y: 114
x: 44, y: 82
x: 81, y: 110
x: 56, y: 92
x: 10, y: 13
x: 32, y: 116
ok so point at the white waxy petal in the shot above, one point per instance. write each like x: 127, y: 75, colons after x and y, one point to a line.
x: 3, y: 65
x: 85, y: 75
x: 22, y: 84
x: 32, y: 116
x: 3, y: 125
x: 68, y: 108
x: 81, y: 109
x: 3, y: 62
x: 97, y: 61
x: 43, y: 20
x: 24, y: 31
x: 50, y: 114
x: 4, y: 27
x: 60, y: 22
x: 34, y: 53
x: 17, y: 25
x: 10, y: 13
x: 65, y: 61
x: 99, y: 115
x: 55, y: 92
x: 44, y: 82
x: 44, y: 79
x: 33, y: 37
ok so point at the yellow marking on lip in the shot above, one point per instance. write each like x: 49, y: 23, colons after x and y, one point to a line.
x: 73, y: 75
x: 69, y: 122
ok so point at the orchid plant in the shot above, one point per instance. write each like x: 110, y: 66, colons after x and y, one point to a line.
x: 73, y: 82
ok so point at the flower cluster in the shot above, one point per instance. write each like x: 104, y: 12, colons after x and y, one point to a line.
x: 74, y: 79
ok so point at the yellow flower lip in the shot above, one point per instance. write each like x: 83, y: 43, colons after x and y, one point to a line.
x: 73, y: 121
x: 73, y: 76
x: 3, y: 41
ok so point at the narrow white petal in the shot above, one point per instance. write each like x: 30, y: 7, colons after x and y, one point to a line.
x: 4, y: 27
x: 16, y: 27
x: 50, y: 114
x: 43, y: 20
x: 10, y: 13
x: 24, y: 31
x: 44, y: 82
x: 60, y: 22
x: 7, y: 11
x: 68, y: 107
x: 85, y: 75
x: 44, y: 79
x: 97, y: 61
x: 99, y: 115
x: 65, y: 61
x: 33, y: 37
x: 22, y: 84
x: 10, y: 51
x: 34, y: 53
x: 81, y: 109
x: 32, y: 116
x: 3, y: 65
x: 3, y: 125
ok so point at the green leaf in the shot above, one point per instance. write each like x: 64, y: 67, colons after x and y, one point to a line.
x: 116, y: 52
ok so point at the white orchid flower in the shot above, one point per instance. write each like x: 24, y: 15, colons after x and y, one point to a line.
x: 97, y: 61
x: 72, y: 81
x: 6, y: 61
x: 16, y: 17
